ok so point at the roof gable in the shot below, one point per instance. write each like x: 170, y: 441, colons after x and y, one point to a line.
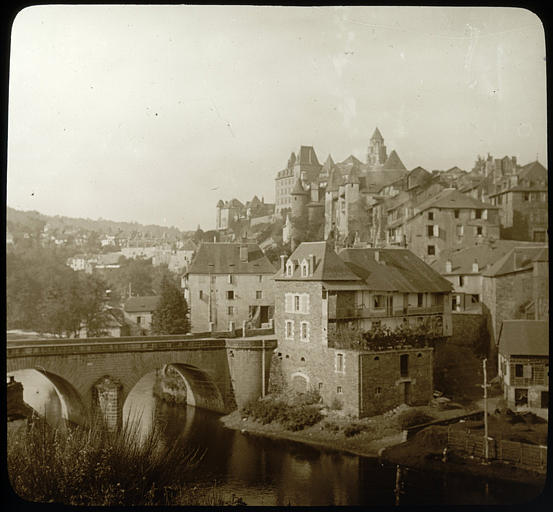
x: 394, y: 162
x: 224, y: 258
x: 144, y: 304
x: 524, y: 337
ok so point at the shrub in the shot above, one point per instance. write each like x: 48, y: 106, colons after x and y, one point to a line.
x: 336, y: 404
x: 412, y: 417
x: 353, y: 429
x: 299, y: 417
x: 291, y: 417
x: 330, y: 427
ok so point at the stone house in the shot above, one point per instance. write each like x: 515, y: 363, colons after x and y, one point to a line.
x: 517, y: 287
x: 449, y: 220
x: 229, y: 284
x: 323, y: 300
x: 139, y: 310
x: 523, y: 364
x: 522, y: 203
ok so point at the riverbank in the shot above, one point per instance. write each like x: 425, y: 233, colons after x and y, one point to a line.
x: 425, y: 452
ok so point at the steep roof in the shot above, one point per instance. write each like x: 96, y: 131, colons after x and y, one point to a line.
x: 377, y: 135
x: 452, y: 198
x: 328, y: 165
x: 532, y: 170
x: 307, y: 156
x: 145, y: 304
x: 334, y: 180
x: 524, y: 337
x: 396, y: 270
x: 394, y: 162
x: 224, y: 258
x: 517, y: 259
x: 328, y: 266
x: 486, y: 254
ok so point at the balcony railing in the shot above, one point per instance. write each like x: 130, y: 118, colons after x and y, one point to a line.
x: 366, y: 312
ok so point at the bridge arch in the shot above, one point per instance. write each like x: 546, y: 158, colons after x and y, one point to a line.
x: 51, y: 396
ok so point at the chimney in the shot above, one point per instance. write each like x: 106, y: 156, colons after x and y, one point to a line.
x: 243, y: 253
x: 475, y: 266
x: 448, y: 266
x: 282, y: 262
x: 311, y: 264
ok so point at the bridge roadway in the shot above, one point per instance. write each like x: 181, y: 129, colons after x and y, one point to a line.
x: 97, y: 374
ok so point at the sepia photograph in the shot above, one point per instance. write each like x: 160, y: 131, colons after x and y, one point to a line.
x: 277, y: 256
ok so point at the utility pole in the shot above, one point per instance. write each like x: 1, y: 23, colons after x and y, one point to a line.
x: 485, y: 386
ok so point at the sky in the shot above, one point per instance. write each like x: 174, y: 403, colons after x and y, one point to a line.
x: 154, y: 113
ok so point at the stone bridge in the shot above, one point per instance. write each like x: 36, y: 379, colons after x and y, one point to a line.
x: 91, y: 374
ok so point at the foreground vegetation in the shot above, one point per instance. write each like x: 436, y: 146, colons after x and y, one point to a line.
x: 93, y: 467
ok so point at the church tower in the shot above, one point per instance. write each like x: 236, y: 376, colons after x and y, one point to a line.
x: 376, y: 156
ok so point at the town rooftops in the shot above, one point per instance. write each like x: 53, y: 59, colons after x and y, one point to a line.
x: 146, y: 303
x: 394, y: 270
x: 188, y: 245
x: 452, y: 198
x: 485, y: 254
x: 524, y: 338
x: 517, y: 259
x: 225, y: 258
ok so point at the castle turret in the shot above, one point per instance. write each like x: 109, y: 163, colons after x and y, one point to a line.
x: 300, y: 198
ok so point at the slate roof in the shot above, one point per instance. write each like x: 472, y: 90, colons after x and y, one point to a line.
x: 526, y: 170
x: 188, y: 245
x: 516, y: 260
x: 486, y: 254
x: 328, y: 266
x: 224, y: 258
x: 307, y: 156
x: 524, y: 337
x: 452, y: 198
x: 397, y: 270
x: 146, y: 303
x: 394, y: 162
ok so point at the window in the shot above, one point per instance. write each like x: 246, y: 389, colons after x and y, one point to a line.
x: 456, y: 213
x: 430, y: 230
x: 138, y: 320
x: 304, y: 268
x: 289, y: 268
x: 260, y: 279
x: 296, y: 303
x: 378, y: 301
x: 259, y: 294
x: 339, y: 389
x: 201, y: 294
x: 230, y: 294
x: 461, y: 280
x: 519, y: 370
x: 478, y: 214
x: 475, y: 298
x: 459, y: 230
x: 430, y: 215
x: 304, y: 331
x: 420, y: 298
x: 230, y: 310
x: 479, y: 231
x: 404, y: 365
x: 431, y: 250
x: 339, y: 363
x: 320, y: 385
x: 289, y: 334
x: 526, y: 196
x: 378, y: 391
x: 230, y: 279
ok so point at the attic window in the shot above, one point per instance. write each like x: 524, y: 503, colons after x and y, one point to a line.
x: 304, y: 268
x: 289, y: 268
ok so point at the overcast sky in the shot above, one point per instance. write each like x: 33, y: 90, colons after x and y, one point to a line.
x: 153, y: 113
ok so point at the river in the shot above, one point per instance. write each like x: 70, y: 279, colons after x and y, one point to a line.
x: 272, y: 472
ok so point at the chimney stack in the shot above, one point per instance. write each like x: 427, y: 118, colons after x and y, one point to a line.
x: 282, y: 262
x: 475, y: 266
x: 448, y: 266
x: 243, y: 253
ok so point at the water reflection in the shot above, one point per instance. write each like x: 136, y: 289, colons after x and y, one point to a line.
x: 278, y: 473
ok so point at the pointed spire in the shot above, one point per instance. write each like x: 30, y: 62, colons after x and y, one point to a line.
x: 394, y: 162
x: 377, y: 135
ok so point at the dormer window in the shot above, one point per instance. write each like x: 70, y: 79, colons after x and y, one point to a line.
x: 290, y: 268
x: 304, y: 268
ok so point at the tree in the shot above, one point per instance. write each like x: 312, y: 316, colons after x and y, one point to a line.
x: 171, y: 314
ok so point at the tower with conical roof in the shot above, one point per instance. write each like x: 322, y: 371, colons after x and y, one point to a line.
x: 376, y: 155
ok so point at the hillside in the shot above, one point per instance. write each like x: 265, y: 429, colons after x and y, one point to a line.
x: 30, y: 221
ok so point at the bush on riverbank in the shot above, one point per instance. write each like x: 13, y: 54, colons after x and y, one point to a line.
x: 292, y: 416
x: 412, y: 417
x: 92, y: 467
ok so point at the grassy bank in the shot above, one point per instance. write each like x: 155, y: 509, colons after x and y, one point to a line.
x: 93, y: 467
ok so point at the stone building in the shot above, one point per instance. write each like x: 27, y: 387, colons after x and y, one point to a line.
x: 324, y: 300
x: 517, y: 287
x: 449, y: 220
x: 232, y: 214
x: 522, y: 202
x: 523, y: 364
x: 229, y: 284
x: 138, y: 311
